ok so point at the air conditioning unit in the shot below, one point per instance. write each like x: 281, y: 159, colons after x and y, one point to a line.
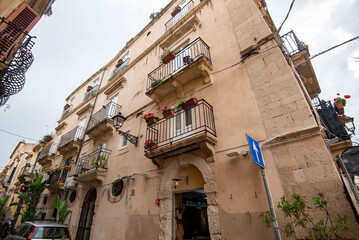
x: 70, y: 183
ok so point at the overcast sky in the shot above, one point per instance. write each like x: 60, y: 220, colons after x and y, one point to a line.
x: 83, y: 35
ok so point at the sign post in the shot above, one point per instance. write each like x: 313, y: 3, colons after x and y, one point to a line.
x: 258, y: 159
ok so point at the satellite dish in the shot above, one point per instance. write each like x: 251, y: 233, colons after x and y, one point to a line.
x: 350, y: 158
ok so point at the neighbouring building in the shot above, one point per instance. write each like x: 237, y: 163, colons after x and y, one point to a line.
x: 194, y: 178
x: 18, y: 173
x: 17, y: 18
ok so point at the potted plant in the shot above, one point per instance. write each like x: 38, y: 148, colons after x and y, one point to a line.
x: 50, y: 171
x: 66, y: 106
x: 119, y: 63
x: 151, y: 144
x: 67, y: 168
x: 340, y: 103
x: 342, y: 118
x: 168, y: 112
x: 175, y: 11
x: 168, y: 56
x: 62, y: 180
x: 151, y: 119
x: 155, y: 83
x: 89, y: 88
x: 99, y: 161
x: 58, y: 169
x: 190, y: 103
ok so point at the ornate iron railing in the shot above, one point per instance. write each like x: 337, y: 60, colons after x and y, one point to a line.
x: 106, y: 112
x: 94, y: 160
x: 54, y: 177
x: 15, y: 59
x: 292, y: 44
x: 48, y: 150
x: 196, y: 49
x: 90, y: 93
x: 175, y: 19
x: 183, y: 125
x: 120, y: 69
x: 74, y: 135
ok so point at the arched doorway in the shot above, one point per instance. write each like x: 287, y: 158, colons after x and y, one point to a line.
x: 87, y: 212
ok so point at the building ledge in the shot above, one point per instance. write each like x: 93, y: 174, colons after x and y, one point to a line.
x: 92, y: 177
x: 105, y: 128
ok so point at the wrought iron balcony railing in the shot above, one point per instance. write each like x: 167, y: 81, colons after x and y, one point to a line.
x: 120, y: 69
x: 183, y: 12
x: 65, y: 112
x: 94, y: 160
x: 292, y: 44
x: 15, y: 58
x: 183, y: 125
x: 106, y: 112
x: 48, y: 150
x: 74, y: 135
x: 196, y: 49
x: 54, y: 177
x: 90, y: 93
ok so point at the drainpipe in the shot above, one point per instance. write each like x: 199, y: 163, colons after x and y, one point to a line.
x: 88, y: 122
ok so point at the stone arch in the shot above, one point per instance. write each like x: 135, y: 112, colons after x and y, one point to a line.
x: 165, y: 194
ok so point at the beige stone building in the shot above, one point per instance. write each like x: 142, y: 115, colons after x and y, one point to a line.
x: 196, y: 180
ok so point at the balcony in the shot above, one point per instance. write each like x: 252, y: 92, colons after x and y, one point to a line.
x: 90, y: 93
x: 299, y: 54
x: 25, y: 174
x: 119, y: 69
x: 189, y: 130
x: 55, y: 183
x: 71, y: 141
x: 334, y: 128
x: 92, y: 168
x: 180, y: 15
x: 47, y: 154
x: 192, y: 62
x: 101, y: 122
x: 67, y: 111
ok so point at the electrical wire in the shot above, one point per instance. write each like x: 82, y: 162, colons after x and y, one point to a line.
x: 32, y: 139
x: 286, y: 17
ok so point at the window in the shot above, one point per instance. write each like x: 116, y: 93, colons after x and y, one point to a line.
x: 117, y: 187
x: 72, y: 196
x: 123, y: 142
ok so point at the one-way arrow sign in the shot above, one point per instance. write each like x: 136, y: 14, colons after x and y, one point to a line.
x: 255, y: 151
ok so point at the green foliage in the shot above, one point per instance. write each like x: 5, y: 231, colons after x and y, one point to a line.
x: 61, y: 209
x: 30, y: 199
x: 129, y: 41
x: 99, y: 161
x: 45, y: 139
x: 296, y: 210
x: 3, y: 209
x: 153, y: 15
x: 180, y: 103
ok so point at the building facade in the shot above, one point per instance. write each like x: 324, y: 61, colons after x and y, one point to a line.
x: 194, y: 178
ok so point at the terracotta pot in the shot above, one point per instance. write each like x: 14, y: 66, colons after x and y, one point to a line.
x: 152, y: 148
x: 119, y: 63
x: 342, y: 120
x: 89, y: 88
x: 175, y: 11
x: 151, y: 121
x: 190, y: 104
x: 50, y: 172
x: 339, y: 107
x: 62, y: 180
x: 67, y: 168
x: 168, y: 114
x: 66, y: 106
x: 58, y: 169
x: 168, y: 58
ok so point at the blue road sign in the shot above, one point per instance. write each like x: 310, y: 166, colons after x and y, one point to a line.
x: 255, y: 151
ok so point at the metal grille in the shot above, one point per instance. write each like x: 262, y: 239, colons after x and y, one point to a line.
x: 292, y: 44
x: 106, y: 112
x: 91, y: 93
x: 196, y: 49
x: 74, y: 135
x: 98, y: 158
x: 184, y: 11
x: 183, y: 125
x: 120, y: 69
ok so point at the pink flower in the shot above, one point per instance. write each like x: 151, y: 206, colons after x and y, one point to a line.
x: 338, y: 94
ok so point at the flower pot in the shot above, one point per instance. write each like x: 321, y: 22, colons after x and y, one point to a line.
x: 62, y: 180
x: 66, y: 106
x: 190, y: 104
x: 119, y: 63
x: 339, y: 107
x: 342, y: 120
x: 168, y: 114
x: 67, y: 168
x: 168, y: 58
x: 50, y: 172
x: 89, y: 88
x: 58, y: 169
x: 175, y: 11
x: 151, y: 121
x: 152, y: 148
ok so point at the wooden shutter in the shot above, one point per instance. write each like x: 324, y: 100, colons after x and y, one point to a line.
x: 25, y: 18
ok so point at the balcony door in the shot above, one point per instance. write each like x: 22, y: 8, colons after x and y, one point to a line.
x: 55, y: 144
x: 112, y: 107
x: 183, y: 125
x: 80, y: 129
